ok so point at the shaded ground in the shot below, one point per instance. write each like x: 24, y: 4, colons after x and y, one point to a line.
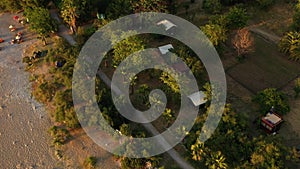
x: 291, y: 128
x: 197, y: 5
x: 275, y: 20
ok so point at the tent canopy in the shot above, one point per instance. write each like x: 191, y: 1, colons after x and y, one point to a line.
x: 198, y: 98
x: 273, y: 118
x: 165, y: 49
x: 167, y: 24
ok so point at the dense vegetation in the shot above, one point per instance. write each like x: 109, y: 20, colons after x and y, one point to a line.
x: 231, y: 146
x: 289, y: 43
x: 272, y: 98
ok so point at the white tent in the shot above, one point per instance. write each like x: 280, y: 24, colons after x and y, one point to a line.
x: 168, y: 24
x: 273, y: 118
x: 198, y: 98
x: 165, y: 49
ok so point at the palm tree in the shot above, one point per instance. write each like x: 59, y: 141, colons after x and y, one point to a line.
x: 198, y: 151
x: 215, y: 160
x: 290, y: 44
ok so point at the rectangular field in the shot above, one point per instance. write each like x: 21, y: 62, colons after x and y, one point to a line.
x: 265, y: 67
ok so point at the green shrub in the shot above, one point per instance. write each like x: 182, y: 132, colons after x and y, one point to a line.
x: 215, y: 33
x: 57, y: 3
x: 271, y: 97
x: 60, y: 135
x: 10, y: 5
x: 265, y: 4
x: 41, y: 22
x: 64, y: 111
x: 71, y: 120
x: 237, y: 17
x: 141, y: 96
x: 231, y: 2
x: 296, y: 18
x: 130, y: 163
x: 26, y: 60
x: 212, y: 6
x: 296, y: 21
x: 297, y: 87
x: 34, y: 3
x: 46, y: 91
x: 33, y: 77
x: 118, y: 8
x: 84, y: 33
x: 90, y: 162
x: 221, y: 20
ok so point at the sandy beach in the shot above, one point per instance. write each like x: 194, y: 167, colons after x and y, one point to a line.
x: 24, y: 122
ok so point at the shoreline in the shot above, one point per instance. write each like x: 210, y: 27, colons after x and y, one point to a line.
x: 24, y: 140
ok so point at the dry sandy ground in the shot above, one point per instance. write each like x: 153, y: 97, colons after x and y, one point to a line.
x: 24, y: 140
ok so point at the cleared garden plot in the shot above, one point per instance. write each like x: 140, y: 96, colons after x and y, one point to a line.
x: 264, y: 68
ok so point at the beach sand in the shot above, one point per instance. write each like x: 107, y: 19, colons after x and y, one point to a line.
x: 24, y: 122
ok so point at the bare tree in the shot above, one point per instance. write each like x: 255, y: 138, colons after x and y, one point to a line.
x: 243, y: 42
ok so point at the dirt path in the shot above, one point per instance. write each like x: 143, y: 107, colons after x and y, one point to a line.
x: 63, y: 31
x: 268, y: 36
x: 24, y: 140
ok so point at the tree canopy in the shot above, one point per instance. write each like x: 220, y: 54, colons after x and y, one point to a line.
x: 149, y: 6
x: 118, y: 8
x: 237, y: 17
x: 126, y: 47
x: 41, y: 22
